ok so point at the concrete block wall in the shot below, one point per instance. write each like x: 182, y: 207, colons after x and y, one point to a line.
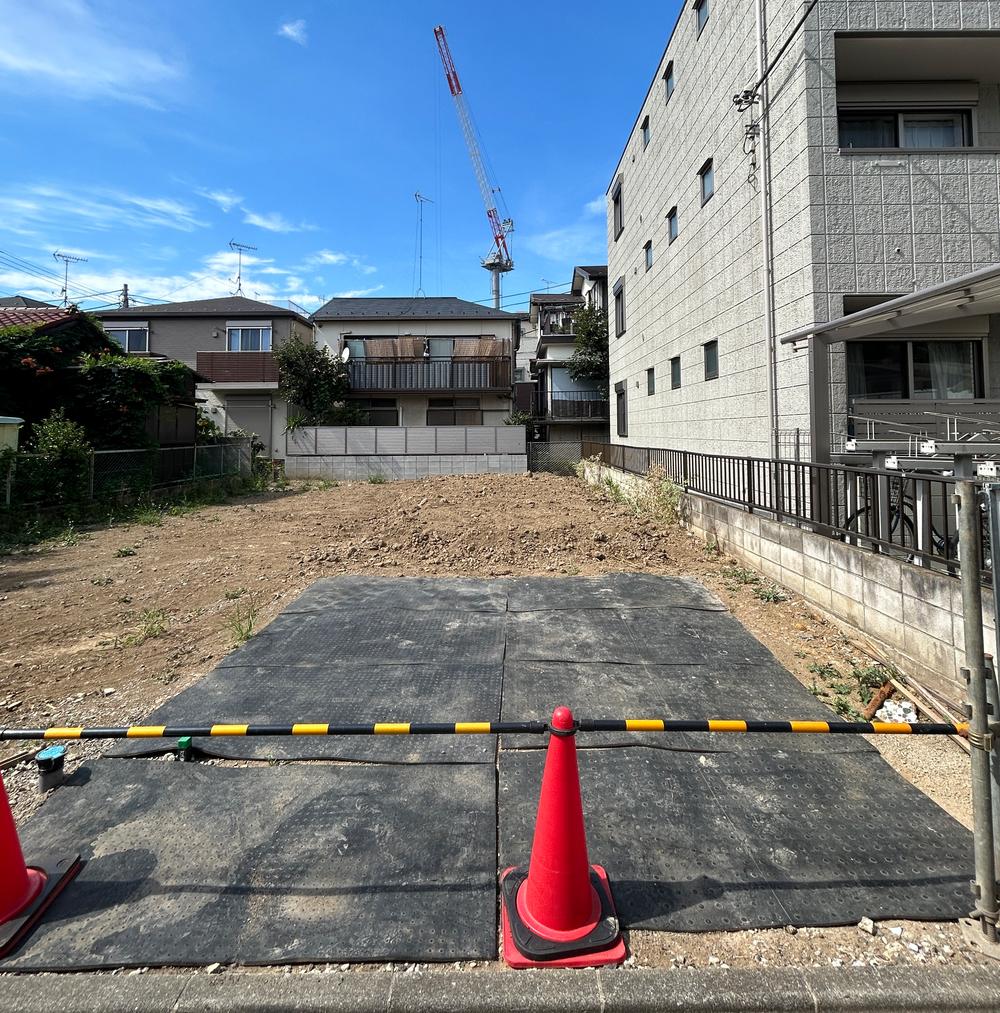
x: 912, y: 613
x: 394, y: 467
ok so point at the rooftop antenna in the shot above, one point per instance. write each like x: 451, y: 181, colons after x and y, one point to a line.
x: 239, y: 248
x: 67, y: 259
x: 421, y: 201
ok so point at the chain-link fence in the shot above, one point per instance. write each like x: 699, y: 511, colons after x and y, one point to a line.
x: 38, y: 481
x: 560, y: 458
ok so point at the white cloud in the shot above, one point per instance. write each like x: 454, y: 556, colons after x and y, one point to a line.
x: 225, y: 199
x: 67, y: 47
x: 91, y: 208
x: 597, y: 206
x: 274, y: 221
x: 572, y: 243
x: 294, y: 31
x: 338, y: 259
x: 357, y: 293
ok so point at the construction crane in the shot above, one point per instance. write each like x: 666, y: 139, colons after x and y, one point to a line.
x: 498, y: 261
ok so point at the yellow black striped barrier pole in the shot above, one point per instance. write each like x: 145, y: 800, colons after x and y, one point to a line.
x: 488, y: 728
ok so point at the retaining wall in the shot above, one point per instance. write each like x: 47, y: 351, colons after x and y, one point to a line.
x: 393, y: 467
x: 912, y: 613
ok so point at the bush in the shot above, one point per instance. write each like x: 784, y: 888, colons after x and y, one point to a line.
x: 60, y: 474
x: 317, y: 384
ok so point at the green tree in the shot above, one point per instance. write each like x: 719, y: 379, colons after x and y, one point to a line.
x: 316, y: 384
x: 61, y: 471
x: 589, y: 360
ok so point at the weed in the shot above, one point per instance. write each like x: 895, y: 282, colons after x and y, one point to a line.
x: 126, y: 550
x: 376, y: 479
x: 770, y: 593
x: 663, y: 499
x: 125, y: 599
x: 322, y: 485
x: 843, y: 707
x: 150, y: 515
x: 102, y: 581
x: 152, y: 622
x: 825, y: 671
x: 741, y: 574
x: 243, y: 619
x: 816, y: 691
x: 70, y: 536
x: 841, y: 688
x: 868, y: 678
x: 614, y: 490
x: 235, y: 593
x: 712, y: 549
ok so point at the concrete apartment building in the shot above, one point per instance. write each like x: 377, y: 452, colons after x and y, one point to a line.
x: 871, y: 151
x: 229, y: 343
x: 427, y: 361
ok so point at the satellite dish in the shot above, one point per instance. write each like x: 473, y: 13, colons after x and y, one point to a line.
x: 345, y: 354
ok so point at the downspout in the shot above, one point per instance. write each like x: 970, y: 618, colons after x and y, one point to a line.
x: 770, y: 333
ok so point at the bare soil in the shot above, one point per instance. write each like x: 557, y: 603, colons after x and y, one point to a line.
x: 103, y: 630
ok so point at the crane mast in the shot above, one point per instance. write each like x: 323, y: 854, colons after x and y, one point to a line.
x: 499, y: 260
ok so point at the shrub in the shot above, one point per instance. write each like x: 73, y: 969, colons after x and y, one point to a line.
x: 60, y: 474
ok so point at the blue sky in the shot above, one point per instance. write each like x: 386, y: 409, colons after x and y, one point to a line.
x: 147, y: 136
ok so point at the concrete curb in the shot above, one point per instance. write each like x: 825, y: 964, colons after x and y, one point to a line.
x: 826, y: 990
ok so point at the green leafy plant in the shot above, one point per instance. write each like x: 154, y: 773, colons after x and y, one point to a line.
x: 589, y: 361
x: 102, y: 581
x: 711, y: 549
x: 740, y: 575
x: 126, y: 550
x: 317, y: 383
x: 152, y: 622
x: 769, y: 593
x: 243, y: 618
x: 235, y: 593
x: 518, y: 417
x: 825, y: 671
x: 377, y: 479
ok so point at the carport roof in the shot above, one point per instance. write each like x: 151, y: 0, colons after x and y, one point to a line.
x: 974, y: 294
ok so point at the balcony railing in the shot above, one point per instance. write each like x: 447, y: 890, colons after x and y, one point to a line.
x: 237, y: 367
x: 965, y: 420
x: 575, y: 405
x: 430, y: 375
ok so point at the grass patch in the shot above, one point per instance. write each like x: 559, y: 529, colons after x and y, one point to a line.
x: 126, y: 550
x: 243, y: 619
x: 711, y: 549
x: 235, y: 593
x: 376, y: 479
x: 150, y: 515
x: 152, y: 622
x: 740, y: 575
x: 102, y: 581
x: 825, y: 671
x: 769, y: 593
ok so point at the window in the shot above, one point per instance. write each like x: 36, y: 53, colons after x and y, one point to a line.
x: 645, y: 132
x: 675, y: 372
x: 650, y: 381
x: 621, y: 407
x: 668, y: 81
x: 255, y: 338
x: 132, y: 337
x: 620, y: 308
x: 894, y: 129
x: 439, y: 349
x: 356, y: 346
x: 711, y: 349
x: 649, y: 254
x: 454, y: 411
x: 706, y: 175
x: 921, y: 370
x: 672, y: 226
x: 701, y: 14
x: 617, y: 209
x: 380, y: 411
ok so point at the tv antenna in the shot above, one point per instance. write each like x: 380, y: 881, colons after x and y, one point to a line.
x: 67, y: 259
x: 421, y: 201
x: 240, y: 248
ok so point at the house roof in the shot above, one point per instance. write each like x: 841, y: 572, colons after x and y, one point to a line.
x: 229, y: 306
x: 423, y: 308
x: 594, y: 270
x: 21, y: 302
x: 558, y: 298
x: 37, y: 316
x: 973, y: 294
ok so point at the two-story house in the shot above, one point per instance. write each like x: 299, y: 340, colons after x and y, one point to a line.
x: 803, y: 227
x: 229, y: 343
x: 426, y: 361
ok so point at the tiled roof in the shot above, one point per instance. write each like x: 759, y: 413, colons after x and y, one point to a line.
x: 424, y: 308
x: 36, y: 316
x: 21, y: 302
x: 230, y: 306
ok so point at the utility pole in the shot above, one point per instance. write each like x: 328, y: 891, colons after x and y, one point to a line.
x: 125, y: 305
x: 67, y: 259
x: 239, y: 248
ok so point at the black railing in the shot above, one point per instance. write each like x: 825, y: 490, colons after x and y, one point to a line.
x: 575, y: 404
x: 905, y: 514
x: 421, y: 375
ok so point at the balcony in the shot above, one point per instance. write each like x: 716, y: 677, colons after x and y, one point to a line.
x: 416, y: 376
x: 237, y: 367
x: 574, y: 406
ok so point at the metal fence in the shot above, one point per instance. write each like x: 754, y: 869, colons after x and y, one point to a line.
x: 905, y: 514
x: 560, y: 458
x: 37, y: 481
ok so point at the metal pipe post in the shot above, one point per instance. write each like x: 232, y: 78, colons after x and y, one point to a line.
x: 993, y: 710
x: 979, y: 736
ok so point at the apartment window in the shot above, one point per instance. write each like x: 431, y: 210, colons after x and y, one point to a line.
x: 454, y: 411
x: 675, y: 372
x: 711, y: 349
x: 645, y: 132
x: 921, y: 370
x: 706, y: 176
x: 648, y: 250
x: 701, y: 14
x: 356, y: 347
x: 242, y: 338
x: 132, y: 337
x: 379, y: 411
x: 621, y: 407
x: 650, y: 381
x: 668, y: 81
x: 619, y: 308
x: 617, y: 209
x: 888, y: 128
x: 672, y: 225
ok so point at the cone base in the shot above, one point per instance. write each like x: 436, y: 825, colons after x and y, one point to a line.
x: 57, y: 872
x: 522, y: 948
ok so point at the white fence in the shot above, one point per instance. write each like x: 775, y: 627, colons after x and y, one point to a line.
x: 399, y: 452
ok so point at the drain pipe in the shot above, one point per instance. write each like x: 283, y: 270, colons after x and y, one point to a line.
x: 764, y: 137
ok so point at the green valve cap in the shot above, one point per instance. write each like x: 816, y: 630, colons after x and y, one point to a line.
x: 184, y: 745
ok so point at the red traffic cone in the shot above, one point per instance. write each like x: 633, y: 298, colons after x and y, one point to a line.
x: 560, y: 912
x: 25, y: 891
